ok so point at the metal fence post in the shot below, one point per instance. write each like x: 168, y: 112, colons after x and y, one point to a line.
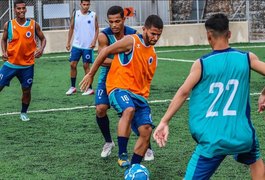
x: 39, y: 4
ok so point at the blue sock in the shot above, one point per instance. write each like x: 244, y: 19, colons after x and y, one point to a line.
x: 136, y: 159
x: 24, y: 108
x: 122, y: 143
x: 103, y: 124
x: 73, y: 80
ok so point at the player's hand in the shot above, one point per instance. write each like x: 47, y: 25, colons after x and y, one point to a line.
x: 161, y: 133
x: 86, y: 82
x: 92, y: 45
x: 261, y: 103
x: 5, y: 56
x: 68, y: 47
x: 38, y: 53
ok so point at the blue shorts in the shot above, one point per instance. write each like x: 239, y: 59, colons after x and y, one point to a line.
x: 76, y: 53
x: 24, y: 75
x: 122, y: 99
x: 200, y: 167
x: 101, y: 96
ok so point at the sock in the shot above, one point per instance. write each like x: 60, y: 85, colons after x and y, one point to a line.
x: 73, y: 80
x: 90, y: 86
x: 103, y: 124
x: 136, y: 159
x: 122, y: 143
x: 24, y: 108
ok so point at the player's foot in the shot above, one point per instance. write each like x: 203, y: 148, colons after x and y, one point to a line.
x: 149, y: 155
x: 70, y: 91
x: 24, y: 117
x: 123, y: 160
x: 88, y: 92
x: 108, y: 146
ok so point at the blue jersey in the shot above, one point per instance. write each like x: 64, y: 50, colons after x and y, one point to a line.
x: 112, y: 39
x: 219, y: 105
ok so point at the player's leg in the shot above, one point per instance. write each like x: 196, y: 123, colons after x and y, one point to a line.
x: 25, y: 76
x: 123, y: 104
x: 202, y: 168
x: 142, y: 126
x: 254, y: 160
x: 87, y: 56
x: 75, y: 55
x: 6, y: 75
x: 102, y: 105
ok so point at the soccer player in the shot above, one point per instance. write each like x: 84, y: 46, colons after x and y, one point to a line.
x: 84, y: 26
x: 108, y: 36
x: 261, y: 101
x: 128, y: 85
x: 19, y: 50
x: 219, y: 107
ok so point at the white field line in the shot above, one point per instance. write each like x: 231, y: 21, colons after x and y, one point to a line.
x: 88, y: 107
x: 173, y: 50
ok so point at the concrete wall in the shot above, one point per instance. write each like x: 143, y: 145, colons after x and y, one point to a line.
x: 173, y: 35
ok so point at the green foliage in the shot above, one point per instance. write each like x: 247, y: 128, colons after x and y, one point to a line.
x: 66, y: 144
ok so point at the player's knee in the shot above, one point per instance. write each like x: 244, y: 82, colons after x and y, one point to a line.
x: 145, y: 131
x: 129, y: 110
x: 73, y: 65
x: 101, y: 111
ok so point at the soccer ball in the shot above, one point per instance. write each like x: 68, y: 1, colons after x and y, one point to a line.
x: 136, y: 172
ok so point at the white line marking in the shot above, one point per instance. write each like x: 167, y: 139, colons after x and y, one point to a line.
x: 178, y: 60
x: 89, y: 107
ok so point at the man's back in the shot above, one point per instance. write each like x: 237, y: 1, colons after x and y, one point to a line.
x: 219, y: 104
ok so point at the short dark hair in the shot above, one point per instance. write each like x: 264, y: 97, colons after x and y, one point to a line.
x: 155, y: 21
x: 218, y: 23
x: 115, y: 10
x: 19, y: 2
x: 85, y: 0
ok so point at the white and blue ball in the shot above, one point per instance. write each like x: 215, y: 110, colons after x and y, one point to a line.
x: 137, y: 172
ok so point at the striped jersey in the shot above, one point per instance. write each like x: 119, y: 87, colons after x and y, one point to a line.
x: 133, y: 71
x: 111, y: 39
x: 219, y: 104
x: 84, y: 29
x: 21, y: 43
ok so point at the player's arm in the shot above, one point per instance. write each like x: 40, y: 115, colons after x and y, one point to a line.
x: 93, y: 43
x: 259, y: 67
x: 42, y: 38
x: 162, y: 130
x: 123, y: 45
x: 4, y: 43
x: 102, y: 43
x: 70, y: 33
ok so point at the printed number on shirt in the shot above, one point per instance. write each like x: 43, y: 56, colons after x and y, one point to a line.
x: 125, y: 98
x: 220, y: 86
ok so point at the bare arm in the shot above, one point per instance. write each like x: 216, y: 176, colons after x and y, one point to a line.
x: 122, y: 45
x: 102, y: 43
x: 162, y: 130
x: 4, y: 43
x: 42, y: 38
x: 256, y: 64
x: 93, y: 44
x: 70, y: 33
x: 259, y: 67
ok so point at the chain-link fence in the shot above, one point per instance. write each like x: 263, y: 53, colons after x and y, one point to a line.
x: 56, y: 14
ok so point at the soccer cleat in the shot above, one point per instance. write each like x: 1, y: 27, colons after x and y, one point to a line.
x: 70, y: 91
x: 123, y: 160
x: 149, y: 155
x: 88, y: 92
x: 24, y: 117
x: 108, y: 146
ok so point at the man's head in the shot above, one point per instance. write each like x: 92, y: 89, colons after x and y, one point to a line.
x: 152, y: 29
x: 20, y: 9
x: 85, y: 4
x: 116, y: 19
x: 217, y: 26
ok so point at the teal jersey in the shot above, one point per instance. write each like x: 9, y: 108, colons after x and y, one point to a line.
x: 219, y: 105
x: 111, y: 39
